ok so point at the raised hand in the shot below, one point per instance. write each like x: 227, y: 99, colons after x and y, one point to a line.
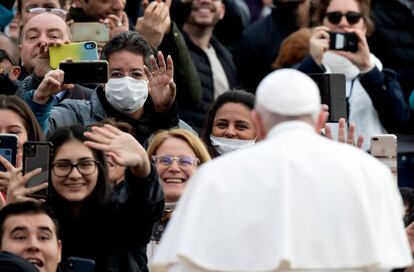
x: 121, y: 146
x: 155, y: 23
x: 51, y: 84
x: 16, y: 182
x: 116, y: 24
x: 319, y: 43
x: 350, y: 136
x: 162, y: 88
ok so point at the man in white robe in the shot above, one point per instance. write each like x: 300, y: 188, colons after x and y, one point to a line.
x: 295, y: 201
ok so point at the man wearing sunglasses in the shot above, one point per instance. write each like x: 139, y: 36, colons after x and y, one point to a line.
x: 374, y: 97
x: 9, y: 65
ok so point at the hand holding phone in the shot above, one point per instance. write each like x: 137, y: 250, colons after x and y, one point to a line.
x: 37, y: 155
x: 8, y: 149
x: 346, y: 41
x: 85, y: 71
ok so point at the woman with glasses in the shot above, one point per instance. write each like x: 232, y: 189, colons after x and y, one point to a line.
x: 374, y: 97
x: 176, y: 153
x: 112, y: 233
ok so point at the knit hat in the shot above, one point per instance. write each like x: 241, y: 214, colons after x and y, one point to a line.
x: 288, y: 92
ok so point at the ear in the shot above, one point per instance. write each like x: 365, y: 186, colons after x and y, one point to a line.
x: 258, y: 122
x: 222, y: 10
x: 59, y: 245
x: 14, y: 73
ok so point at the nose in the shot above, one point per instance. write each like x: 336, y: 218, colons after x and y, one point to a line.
x: 33, y: 245
x: 118, y: 5
x: 174, y: 167
x: 230, y: 132
x: 343, y: 22
x: 74, y: 173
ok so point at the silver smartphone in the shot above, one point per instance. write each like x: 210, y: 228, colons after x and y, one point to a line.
x: 384, y: 148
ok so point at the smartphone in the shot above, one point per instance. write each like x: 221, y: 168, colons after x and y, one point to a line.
x: 333, y: 94
x: 76, y: 264
x: 85, y: 71
x: 89, y: 32
x: 346, y: 41
x: 37, y: 154
x: 8, y: 149
x: 76, y: 51
x: 384, y: 148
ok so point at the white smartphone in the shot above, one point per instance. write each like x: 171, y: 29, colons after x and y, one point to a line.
x: 384, y: 148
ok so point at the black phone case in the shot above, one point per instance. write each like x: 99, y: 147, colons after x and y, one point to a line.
x: 333, y: 94
x: 38, y: 155
x: 85, y: 71
x: 8, y: 149
x: 76, y: 264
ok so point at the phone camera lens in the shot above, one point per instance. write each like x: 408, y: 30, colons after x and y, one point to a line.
x: 90, y: 45
x: 31, y: 151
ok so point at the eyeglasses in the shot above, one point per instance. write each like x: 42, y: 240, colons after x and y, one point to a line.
x: 59, y: 12
x: 63, y: 169
x: 183, y: 162
x: 4, y: 55
x: 335, y: 17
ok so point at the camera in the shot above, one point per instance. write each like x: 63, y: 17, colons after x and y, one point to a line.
x: 346, y: 41
x: 30, y: 151
x: 90, y: 45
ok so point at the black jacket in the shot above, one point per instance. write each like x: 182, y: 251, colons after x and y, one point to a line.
x: 195, y: 114
x: 393, y: 39
x: 259, y: 45
x: 114, y: 234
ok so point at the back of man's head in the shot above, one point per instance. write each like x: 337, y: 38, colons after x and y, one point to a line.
x: 288, y: 95
x: 129, y: 41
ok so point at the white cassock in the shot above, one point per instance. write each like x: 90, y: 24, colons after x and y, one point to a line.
x: 296, y: 201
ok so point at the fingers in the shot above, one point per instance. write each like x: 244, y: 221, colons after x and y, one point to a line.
x: 6, y: 164
x: 37, y: 188
x: 98, y: 146
x: 154, y: 65
x: 170, y: 67
x: 31, y: 174
x: 328, y: 132
x: 168, y: 3
x: 341, y: 130
x: 148, y: 73
x: 145, y: 4
x: 351, y: 131
x: 161, y: 63
x: 360, y: 141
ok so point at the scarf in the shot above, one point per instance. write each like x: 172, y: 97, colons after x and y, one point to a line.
x: 361, y: 109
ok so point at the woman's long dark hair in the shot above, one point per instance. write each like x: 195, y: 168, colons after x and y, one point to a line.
x: 18, y: 106
x: 234, y: 96
x: 101, y: 193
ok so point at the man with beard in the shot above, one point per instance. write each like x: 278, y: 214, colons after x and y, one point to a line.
x: 9, y: 65
x: 213, y: 61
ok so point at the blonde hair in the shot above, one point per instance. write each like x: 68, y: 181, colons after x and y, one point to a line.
x: 192, y: 140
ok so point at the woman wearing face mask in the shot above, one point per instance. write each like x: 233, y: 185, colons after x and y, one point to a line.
x: 229, y: 125
x: 373, y: 94
x: 92, y: 226
x: 176, y: 153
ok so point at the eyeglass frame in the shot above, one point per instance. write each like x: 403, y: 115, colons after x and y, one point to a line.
x: 57, y: 11
x: 96, y: 164
x: 7, y: 57
x: 349, y: 14
x: 194, y: 160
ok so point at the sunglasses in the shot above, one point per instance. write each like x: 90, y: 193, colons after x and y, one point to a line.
x: 4, y: 55
x: 59, y: 12
x: 335, y: 17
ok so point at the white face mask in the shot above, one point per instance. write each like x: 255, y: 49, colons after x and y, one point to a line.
x: 126, y: 94
x: 225, y: 145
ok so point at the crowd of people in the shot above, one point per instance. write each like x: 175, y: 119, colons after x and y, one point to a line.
x: 209, y: 147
